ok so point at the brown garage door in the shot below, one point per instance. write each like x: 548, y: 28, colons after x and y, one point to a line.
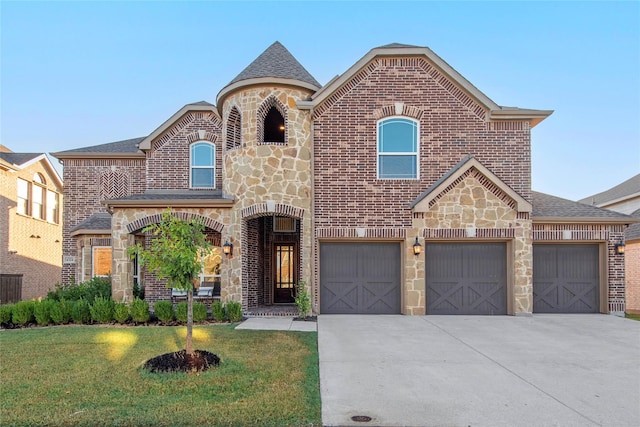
x: 360, y: 278
x: 466, y: 278
x: 565, y: 279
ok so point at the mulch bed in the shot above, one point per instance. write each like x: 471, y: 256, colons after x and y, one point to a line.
x: 180, y: 361
x: 306, y: 319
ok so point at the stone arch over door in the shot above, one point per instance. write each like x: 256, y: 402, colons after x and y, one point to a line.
x: 155, y: 289
x: 258, y: 239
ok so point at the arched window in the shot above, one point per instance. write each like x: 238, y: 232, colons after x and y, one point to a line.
x: 203, y: 165
x: 274, y: 127
x: 398, y: 148
x: 234, y: 129
x: 272, y: 123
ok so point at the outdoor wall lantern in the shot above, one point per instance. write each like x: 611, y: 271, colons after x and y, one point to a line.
x: 417, y: 247
x: 620, y: 248
x: 227, y: 248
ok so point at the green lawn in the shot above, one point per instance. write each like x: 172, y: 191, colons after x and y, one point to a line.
x: 90, y: 375
x: 632, y: 316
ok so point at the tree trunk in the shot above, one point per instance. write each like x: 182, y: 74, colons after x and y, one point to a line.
x: 189, y: 343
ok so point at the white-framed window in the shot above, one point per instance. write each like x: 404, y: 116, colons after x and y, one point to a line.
x: 203, y: 156
x: 37, y: 200
x: 398, y: 148
x: 101, y: 261
x: 22, y: 204
x: 53, y: 210
x: 211, y: 266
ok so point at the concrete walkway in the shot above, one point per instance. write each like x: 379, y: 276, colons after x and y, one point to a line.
x: 277, y: 324
x: 545, y: 370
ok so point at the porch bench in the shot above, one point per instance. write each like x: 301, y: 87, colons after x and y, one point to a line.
x: 208, y: 293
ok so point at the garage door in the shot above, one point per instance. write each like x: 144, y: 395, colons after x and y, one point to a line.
x: 466, y: 278
x: 360, y: 278
x: 565, y: 279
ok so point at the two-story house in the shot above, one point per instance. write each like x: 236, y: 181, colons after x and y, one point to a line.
x: 30, y: 225
x: 397, y: 187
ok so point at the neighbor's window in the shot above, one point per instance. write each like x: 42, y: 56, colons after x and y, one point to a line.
x: 23, y: 197
x: 101, y: 261
x: 203, y: 165
x: 53, y: 201
x: 37, y: 201
x: 397, y: 148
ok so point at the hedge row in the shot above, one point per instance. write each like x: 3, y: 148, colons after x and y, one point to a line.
x: 105, y: 310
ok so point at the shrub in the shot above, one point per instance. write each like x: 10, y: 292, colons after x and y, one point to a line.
x: 42, y: 311
x: 199, y: 312
x: 80, y: 312
x: 234, y: 311
x: 303, y: 302
x: 22, y: 313
x: 138, y: 291
x: 164, y: 311
x: 5, y: 313
x: 217, y: 312
x: 121, y: 312
x: 102, y: 310
x: 140, y: 311
x: 181, y: 311
x: 61, y: 311
x: 96, y: 287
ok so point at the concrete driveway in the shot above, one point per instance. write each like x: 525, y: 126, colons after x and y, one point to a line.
x: 545, y: 370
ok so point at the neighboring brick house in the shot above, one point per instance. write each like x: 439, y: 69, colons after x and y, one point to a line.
x: 625, y: 198
x: 30, y: 225
x: 340, y: 186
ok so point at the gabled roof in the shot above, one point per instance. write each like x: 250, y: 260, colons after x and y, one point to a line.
x: 145, y: 144
x: 548, y: 208
x: 18, y: 158
x: 126, y: 148
x: 625, y: 190
x: 98, y: 223
x: 275, y: 65
x: 633, y: 232
x: 421, y: 203
x: 495, y: 111
x: 18, y: 161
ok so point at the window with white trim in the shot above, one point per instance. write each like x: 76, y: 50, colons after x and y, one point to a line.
x: 203, y: 165
x: 53, y: 209
x: 398, y: 148
x: 37, y: 197
x: 101, y: 261
x: 23, y: 197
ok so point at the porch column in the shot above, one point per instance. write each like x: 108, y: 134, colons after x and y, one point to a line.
x: 121, y: 267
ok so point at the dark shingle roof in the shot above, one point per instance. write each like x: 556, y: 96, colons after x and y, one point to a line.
x: 173, y: 195
x: 126, y: 146
x: 620, y: 191
x: 97, y: 221
x: 18, y: 158
x: 393, y: 45
x: 633, y: 232
x: 547, y: 206
x: 276, y: 61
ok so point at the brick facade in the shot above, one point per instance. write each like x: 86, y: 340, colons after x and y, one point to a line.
x: 29, y: 246
x: 323, y: 174
x: 632, y: 276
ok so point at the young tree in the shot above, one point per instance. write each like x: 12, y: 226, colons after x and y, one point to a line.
x: 176, y: 253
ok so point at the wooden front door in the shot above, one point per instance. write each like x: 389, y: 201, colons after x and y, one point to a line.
x: 284, y: 259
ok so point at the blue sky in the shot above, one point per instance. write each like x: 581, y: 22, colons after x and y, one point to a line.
x: 76, y: 74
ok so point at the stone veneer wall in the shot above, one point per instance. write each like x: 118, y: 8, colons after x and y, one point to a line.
x: 275, y: 178
x: 471, y: 205
x: 126, y: 221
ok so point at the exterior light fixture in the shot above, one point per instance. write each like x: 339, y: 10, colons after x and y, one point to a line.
x: 227, y: 249
x: 417, y: 247
x: 620, y: 248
